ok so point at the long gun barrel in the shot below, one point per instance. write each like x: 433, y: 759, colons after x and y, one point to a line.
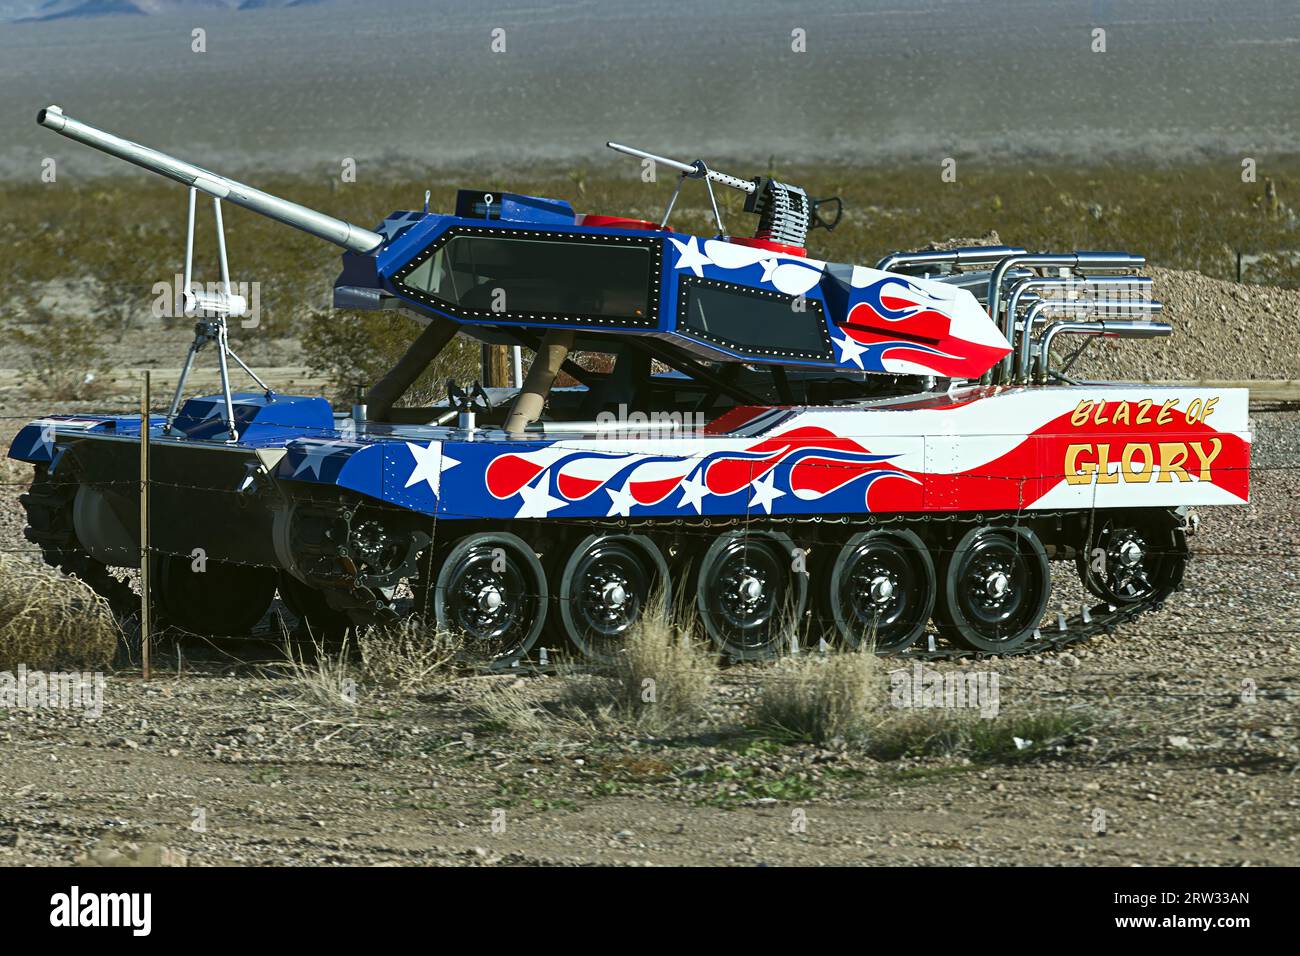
x: 318, y: 224
x: 696, y: 169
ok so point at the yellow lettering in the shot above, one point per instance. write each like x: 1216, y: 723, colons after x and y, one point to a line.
x: 1207, y: 459
x: 1172, y: 457
x: 1132, y: 473
x: 1104, y: 475
x: 1121, y: 414
x: 1080, y: 414
x: 1209, y: 407
x: 1144, y: 409
x: 1077, y: 473
x: 1193, y: 411
x: 1166, y: 412
x: 1097, y: 417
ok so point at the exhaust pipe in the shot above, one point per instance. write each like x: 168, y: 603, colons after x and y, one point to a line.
x: 1127, y: 328
x: 1105, y: 307
x: 1085, y: 261
x: 965, y: 255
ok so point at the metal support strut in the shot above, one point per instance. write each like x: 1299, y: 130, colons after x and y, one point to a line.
x: 212, y: 326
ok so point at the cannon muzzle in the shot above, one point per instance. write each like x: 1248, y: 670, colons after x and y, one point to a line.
x: 318, y: 224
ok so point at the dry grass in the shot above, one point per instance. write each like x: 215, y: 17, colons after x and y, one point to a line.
x: 409, y: 654
x: 325, y: 678
x: 820, y: 698
x: 661, y: 679
x: 50, y: 621
x: 1023, y: 735
x: 510, y: 709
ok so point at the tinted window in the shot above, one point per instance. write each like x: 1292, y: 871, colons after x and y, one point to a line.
x: 753, y: 323
x: 538, y: 276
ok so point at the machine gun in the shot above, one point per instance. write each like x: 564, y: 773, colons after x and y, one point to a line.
x: 785, y: 213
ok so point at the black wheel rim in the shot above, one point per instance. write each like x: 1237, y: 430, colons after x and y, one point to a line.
x: 997, y: 587
x: 881, y: 593
x: 489, y: 597
x: 608, y: 591
x: 1131, y: 566
x: 745, y: 590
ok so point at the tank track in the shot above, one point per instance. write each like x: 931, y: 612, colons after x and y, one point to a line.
x: 1089, y: 622
x: 48, y: 504
x: 366, y: 604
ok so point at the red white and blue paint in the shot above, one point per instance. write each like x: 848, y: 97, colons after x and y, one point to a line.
x: 975, y: 449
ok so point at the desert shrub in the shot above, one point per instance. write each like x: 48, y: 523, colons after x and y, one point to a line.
x: 325, y: 677
x: 819, y: 698
x: 512, y: 710
x: 352, y: 348
x: 63, y: 355
x: 409, y: 654
x: 1021, y: 735
x: 660, y: 679
x: 51, y: 621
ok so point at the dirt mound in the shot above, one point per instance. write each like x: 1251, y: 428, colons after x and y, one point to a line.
x: 1222, y: 330
x: 989, y: 238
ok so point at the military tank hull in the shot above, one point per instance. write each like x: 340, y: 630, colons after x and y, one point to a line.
x: 874, y: 518
x: 790, y: 449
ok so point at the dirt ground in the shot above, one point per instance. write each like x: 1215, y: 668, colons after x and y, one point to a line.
x: 1191, y: 758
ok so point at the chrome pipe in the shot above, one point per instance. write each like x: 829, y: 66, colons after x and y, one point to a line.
x: 964, y: 255
x: 301, y: 217
x: 1145, y: 307
x: 1140, y: 285
x: 1127, y: 328
x: 1072, y: 260
x: 1025, y: 292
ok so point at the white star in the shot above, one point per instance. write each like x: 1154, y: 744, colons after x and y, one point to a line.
x: 850, y: 350
x: 538, y: 501
x: 765, y: 492
x: 690, y: 257
x: 769, y: 266
x: 693, y: 492
x: 428, y: 465
x: 43, y: 438
x: 621, y: 503
x: 395, y: 224
x: 314, y: 456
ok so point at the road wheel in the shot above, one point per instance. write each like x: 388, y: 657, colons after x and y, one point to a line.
x: 607, y: 585
x: 490, y: 588
x: 880, y: 590
x: 220, y: 600
x: 996, y: 583
x: 749, y: 598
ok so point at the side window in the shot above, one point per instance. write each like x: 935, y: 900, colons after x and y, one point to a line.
x: 751, y: 321
x: 548, y: 278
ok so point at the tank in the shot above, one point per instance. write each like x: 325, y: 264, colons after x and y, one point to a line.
x: 892, y: 456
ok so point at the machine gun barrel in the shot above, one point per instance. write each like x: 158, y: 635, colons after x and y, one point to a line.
x: 696, y: 169
x: 318, y: 224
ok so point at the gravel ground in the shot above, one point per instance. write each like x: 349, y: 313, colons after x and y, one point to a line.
x: 212, y: 763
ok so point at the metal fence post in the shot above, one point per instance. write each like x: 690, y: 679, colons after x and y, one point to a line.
x: 144, y: 526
